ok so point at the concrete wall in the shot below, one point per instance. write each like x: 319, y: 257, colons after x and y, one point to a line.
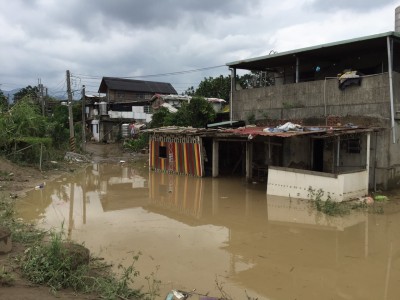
x: 310, y: 99
x: 294, y: 183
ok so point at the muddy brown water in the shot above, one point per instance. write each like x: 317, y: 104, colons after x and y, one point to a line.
x: 198, y: 231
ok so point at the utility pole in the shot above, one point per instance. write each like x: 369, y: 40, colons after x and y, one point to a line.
x: 70, y: 117
x: 83, y: 120
x: 40, y: 94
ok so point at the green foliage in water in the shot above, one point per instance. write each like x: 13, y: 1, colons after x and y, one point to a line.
x: 330, y: 207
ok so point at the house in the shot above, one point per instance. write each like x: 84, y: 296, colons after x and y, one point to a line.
x: 173, y: 102
x: 291, y: 160
x: 354, y: 82
x: 126, y: 101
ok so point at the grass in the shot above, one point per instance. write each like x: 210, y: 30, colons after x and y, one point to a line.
x: 49, y: 259
x: 328, y: 206
x: 6, y: 278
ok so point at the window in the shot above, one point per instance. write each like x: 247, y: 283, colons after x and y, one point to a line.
x: 162, y: 152
x: 146, y: 109
x: 354, y: 146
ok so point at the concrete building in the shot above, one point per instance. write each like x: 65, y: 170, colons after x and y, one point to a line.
x: 354, y: 82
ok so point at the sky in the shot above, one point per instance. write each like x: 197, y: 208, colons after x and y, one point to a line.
x: 176, y: 41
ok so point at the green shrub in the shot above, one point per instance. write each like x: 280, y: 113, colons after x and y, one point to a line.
x: 137, y: 144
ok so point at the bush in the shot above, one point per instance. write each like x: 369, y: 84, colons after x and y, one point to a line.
x: 138, y: 144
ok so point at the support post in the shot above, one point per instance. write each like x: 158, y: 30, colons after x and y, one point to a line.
x: 389, y: 51
x: 367, y: 158
x: 215, y: 158
x: 338, y: 153
x: 249, y: 160
x: 83, y: 119
x: 70, y: 116
x: 233, y: 86
x: 297, y: 69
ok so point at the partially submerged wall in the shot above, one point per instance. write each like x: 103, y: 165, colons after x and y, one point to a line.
x: 301, y: 184
x: 176, y: 154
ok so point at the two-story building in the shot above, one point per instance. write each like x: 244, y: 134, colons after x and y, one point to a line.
x: 354, y: 82
x: 126, y: 101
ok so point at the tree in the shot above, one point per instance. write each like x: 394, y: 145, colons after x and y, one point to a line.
x: 210, y: 87
x: 3, y: 102
x: 197, y: 113
x: 256, y: 79
x: 29, y: 92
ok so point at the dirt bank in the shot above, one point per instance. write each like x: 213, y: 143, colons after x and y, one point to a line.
x: 15, y: 180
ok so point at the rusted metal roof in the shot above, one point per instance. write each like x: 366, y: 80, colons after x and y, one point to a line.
x: 250, y: 132
x: 310, y: 130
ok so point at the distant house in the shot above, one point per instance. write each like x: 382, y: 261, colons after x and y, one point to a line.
x: 126, y: 101
x: 173, y: 102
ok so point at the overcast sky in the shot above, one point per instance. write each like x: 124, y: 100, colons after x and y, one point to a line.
x: 133, y: 38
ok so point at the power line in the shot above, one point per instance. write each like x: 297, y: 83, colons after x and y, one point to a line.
x: 153, y: 75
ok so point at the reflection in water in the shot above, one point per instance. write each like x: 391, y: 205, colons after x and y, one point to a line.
x: 198, y: 230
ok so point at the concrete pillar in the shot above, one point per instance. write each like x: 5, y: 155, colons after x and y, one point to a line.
x: 390, y: 71
x: 367, y: 158
x: 215, y: 158
x: 249, y: 160
x: 233, y: 87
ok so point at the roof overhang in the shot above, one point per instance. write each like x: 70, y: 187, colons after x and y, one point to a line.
x: 330, y: 52
x: 248, y: 133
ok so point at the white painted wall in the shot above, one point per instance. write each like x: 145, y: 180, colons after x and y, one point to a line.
x: 95, y: 130
x: 295, y: 183
x: 137, y: 113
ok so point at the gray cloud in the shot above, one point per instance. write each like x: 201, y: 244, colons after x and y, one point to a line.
x: 354, y: 5
x: 42, y: 39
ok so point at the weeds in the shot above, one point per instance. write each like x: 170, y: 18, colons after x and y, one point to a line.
x: 55, y: 265
x: 137, y: 144
x: 6, y: 278
x: 51, y: 260
x: 327, y: 206
x: 20, y: 232
x: 331, y: 208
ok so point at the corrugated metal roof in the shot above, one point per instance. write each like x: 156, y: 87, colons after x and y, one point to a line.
x: 132, y: 85
x: 251, y: 132
x: 321, y: 131
x: 366, y: 44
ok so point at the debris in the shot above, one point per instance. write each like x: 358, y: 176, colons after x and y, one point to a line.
x: 367, y: 200
x: 381, y: 198
x: 40, y: 186
x: 72, y: 156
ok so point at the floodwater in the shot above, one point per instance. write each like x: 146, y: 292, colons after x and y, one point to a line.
x: 195, y: 232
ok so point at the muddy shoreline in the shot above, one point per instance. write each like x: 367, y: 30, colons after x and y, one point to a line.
x: 15, y: 182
